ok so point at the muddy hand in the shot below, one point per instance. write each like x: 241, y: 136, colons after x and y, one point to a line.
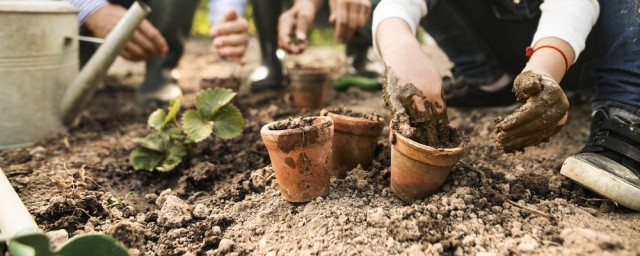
x: 542, y: 115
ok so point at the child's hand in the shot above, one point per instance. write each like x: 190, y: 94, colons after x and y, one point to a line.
x: 348, y: 16
x: 230, y: 36
x: 294, y: 24
x: 542, y: 116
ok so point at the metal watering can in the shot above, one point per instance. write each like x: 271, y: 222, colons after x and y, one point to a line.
x: 41, y: 89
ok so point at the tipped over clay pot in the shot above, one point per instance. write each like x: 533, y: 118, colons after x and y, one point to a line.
x: 300, y: 152
x: 417, y: 170
x: 355, y: 139
x: 309, y: 86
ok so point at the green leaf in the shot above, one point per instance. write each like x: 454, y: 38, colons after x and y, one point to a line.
x: 174, y: 157
x: 228, y: 122
x: 195, y: 126
x: 174, y: 107
x: 210, y: 101
x: 145, y: 159
x: 154, y: 141
x: 156, y: 119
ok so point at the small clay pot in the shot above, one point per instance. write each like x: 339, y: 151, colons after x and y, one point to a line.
x: 309, y: 86
x: 354, y: 141
x: 301, y: 158
x: 417, y: 170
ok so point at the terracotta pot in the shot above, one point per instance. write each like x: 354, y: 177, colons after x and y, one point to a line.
x: 309, y: 86
x: 417, y: 170
x: 354, y: 141
x: 301, y: 159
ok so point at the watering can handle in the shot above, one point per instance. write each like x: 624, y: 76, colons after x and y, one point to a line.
x: 14, y: 216
x: 83, y: 86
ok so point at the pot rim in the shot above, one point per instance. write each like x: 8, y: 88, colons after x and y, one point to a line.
x: 363, y: 120
x: 326, y: 122
x: 425, y: 148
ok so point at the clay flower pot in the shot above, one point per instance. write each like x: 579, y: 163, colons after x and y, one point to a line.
x: 417, y: 170
x: 301, y: 156
x: 354, y: 140
x: 309, y: 86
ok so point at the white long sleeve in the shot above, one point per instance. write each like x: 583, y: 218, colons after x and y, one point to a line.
x: 569, y: 20
x: 218, y: 7
x: 411, y: 11
x: 86, y: 7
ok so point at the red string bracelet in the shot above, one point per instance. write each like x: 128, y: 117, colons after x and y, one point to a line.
x: 530, y: 51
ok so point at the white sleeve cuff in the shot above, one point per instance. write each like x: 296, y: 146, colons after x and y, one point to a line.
x: 219, y: 7
x: 86, y: 7
x: 411, y: 11
x: 569, y: 20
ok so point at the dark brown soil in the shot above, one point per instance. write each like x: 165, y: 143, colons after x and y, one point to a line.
x: 232, y: 83
x: 291, y: 123
x: 224, y: 200
x: 348, y: 112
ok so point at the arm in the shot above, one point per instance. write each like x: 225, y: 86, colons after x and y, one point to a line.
x: 86, y: 7
x: 565, y: 25
x: 218, y: 7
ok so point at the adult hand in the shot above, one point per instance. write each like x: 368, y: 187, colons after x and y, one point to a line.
x: 348, y: 16
x: 146, y: 42
x: 295, y: 23
x: 230, y: 36
x: 543, y: 114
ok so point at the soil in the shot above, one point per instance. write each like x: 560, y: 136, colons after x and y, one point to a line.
x: 225, y: 200
x: 348, y: 112
x: 291, y: 123
x: 232, y: 83
x: 416, y: 117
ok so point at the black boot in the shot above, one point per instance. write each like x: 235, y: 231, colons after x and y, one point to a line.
x: 268, y: 76
x: 173, y: 19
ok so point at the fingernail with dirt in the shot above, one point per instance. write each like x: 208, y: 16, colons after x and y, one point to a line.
x: 355, y: 138
x: 424, y: 147
x: 300, y: 151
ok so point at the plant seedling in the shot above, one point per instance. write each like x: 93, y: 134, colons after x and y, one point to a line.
x: 165, y: 148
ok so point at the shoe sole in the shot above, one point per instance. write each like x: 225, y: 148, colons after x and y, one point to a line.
x: 602, y: 182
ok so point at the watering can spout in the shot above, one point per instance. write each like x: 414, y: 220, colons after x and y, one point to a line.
x: 83, y: 86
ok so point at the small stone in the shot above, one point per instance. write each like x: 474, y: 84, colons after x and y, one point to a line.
x: 57, y: 237
x: 377, y: 218
x: 174, y: 212
x: 131, y: 234
x: 217, y: 231
x: 151, y: 198
x: 133, y: 252
x: 226, y: 246
x: 201, y: 211
x: 527, y: 244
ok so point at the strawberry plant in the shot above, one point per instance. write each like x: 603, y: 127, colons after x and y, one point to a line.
x: 165, y: 148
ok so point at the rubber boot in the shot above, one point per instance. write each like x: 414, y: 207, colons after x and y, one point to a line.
x: 357, y: 50
x: 268, y: 76
x: 173, y: 19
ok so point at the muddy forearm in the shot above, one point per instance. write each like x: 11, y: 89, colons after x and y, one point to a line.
x: 548, y: 61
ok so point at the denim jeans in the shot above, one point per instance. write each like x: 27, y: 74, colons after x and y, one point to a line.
x: 487, y: 38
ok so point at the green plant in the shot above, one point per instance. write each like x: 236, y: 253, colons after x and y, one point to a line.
x: 165, y: 148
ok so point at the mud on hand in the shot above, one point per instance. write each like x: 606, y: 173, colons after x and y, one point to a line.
x: 414, y: 115
x: 542, y: 115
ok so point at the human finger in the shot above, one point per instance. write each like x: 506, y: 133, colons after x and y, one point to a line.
x: 154, y: 35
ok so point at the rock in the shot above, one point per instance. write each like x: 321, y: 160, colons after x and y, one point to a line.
x: 200, y: 211
x: 131, y: 234
x: 217, y: 231
x: 151, y: 198
x: 226, y: 246
x: 174, y: 212
x: 133, y: 252
x: 527, y: 244
x: 377, y: 218
x: 57, y: 237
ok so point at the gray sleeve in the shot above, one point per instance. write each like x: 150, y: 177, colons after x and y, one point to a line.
x: 86, y: 7
x: 218, y: 7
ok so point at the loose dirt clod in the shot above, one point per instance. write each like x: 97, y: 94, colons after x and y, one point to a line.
x: 173, y: 212
x: 416, y: 117
x: 292, y: 123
